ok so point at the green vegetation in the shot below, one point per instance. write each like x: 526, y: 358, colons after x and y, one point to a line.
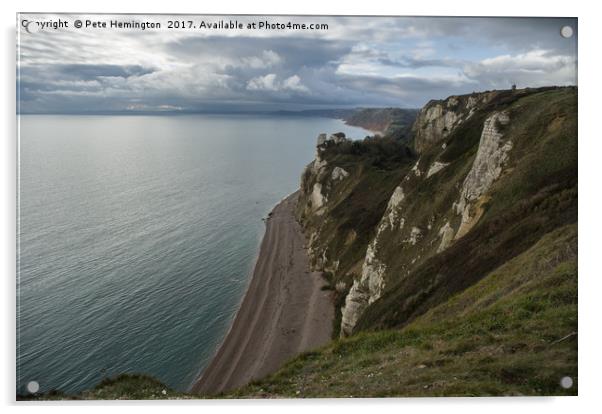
x: 512, y: 333
x: 121, y: 387
x: 537, y: 194
x: 355, y: 205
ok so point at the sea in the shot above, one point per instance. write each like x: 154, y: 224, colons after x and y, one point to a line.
x: 137, y: 235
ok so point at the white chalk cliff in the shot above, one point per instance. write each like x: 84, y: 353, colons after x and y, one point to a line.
x: 440, y: 119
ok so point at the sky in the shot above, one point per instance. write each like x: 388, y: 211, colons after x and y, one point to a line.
x: 355, y: 62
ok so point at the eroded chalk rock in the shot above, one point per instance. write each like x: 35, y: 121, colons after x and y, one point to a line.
x: 364, y: 291
x: 370, y: 285
x: 339, y: 174
x: 337, y: 138
x: 415, y: 235
x: 392, y: 213
x: 435, y: 168
x: 486, y: 168
x: 434, y: 123
x: 317, y: 198
x: 321, y: 139
x: 318, y: 165
x: 355, y: 304
x: 416, y: 170
x: 447, y: 236
x: 438, y: 119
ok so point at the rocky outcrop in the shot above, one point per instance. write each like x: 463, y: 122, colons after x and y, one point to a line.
x: 487, y: 167
x: 434, y: 124
x: 437, y: 120
x: 415, y: 235
x: 435, y: 168
x: 336, y: 138
x: 338, y: 174
x: 356, y: 302
x: 364, y: 291
x: 415, y: 170
x: 321, y: 140
x: 393, y: 211
x: 491, y: 154
x: 317, y: 198
x: 376, y: 225
x: 318, y: 165
x: 447, y: 236
x: 370, y: 285
x: 318, y: 171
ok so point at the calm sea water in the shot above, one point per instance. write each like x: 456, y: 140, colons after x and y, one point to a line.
x: 138, y: 234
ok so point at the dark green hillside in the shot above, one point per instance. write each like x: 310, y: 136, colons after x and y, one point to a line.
x: 537, y: 194
x: 355, y: 205
x: 525, y: 170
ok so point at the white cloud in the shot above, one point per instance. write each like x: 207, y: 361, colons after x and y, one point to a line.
x: 294, y: 83
x: 270, y: 82
x: 267, y: 59
x: 263, y: 83
x: 537, y: 67
x: 534, y: 60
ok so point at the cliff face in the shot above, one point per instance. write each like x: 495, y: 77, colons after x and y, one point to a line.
x: 344, y: 192
x: 416, y: 235
x: 472, y: 167
x: 454, y: 264
x: 438, y: 118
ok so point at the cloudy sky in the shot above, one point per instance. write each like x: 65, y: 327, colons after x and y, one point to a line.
x: 357, y: 61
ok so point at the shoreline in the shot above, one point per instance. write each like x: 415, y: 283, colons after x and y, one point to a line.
x: 375, y: 132
x: 284, y: 311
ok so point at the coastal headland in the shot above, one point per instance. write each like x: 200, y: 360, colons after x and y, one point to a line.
x: 284, y: 311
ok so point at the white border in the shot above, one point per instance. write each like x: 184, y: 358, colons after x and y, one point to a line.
x: 590, y: 151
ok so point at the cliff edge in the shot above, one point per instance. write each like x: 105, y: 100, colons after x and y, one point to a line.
x: 459, y: 249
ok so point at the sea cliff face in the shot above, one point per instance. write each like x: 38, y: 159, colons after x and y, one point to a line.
x: 438, y: 118
x: 420, y: 235
x: 470, y: 155
x: 344, y: 193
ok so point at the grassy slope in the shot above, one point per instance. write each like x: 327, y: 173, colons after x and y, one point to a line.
x: 504, y: 342
x: 122, y: 387
x: 536, y: 194
x: 502, y: 336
